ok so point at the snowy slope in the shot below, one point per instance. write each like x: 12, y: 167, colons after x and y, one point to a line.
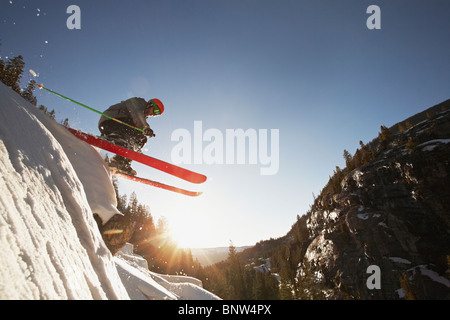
x: 50, y: 246
x: 144, y: 284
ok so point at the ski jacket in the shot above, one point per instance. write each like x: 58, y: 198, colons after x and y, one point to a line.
x: 131, y: 111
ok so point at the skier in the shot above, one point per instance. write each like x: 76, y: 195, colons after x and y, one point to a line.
x: 134, y: 112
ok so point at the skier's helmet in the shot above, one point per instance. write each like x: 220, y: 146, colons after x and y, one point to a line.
x: 158, y: 107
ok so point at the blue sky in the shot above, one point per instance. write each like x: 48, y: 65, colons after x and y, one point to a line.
x: 311, y: 69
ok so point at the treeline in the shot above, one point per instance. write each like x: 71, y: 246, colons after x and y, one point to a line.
x: 367, y: 153
x: 152, y: 240
x: 363, y: 155
x: 238, y: 279
x: 11, y: 73
x: 229, y: 279
x: 286, y: 254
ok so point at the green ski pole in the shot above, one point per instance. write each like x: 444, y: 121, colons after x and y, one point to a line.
x: 41, y: 86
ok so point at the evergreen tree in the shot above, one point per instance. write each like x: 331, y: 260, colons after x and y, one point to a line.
x: 286, y: 290
x: 406, y: 286
x: 365, y: 155
x: 133, y: 205
x: 401, y: 127
x: 162, y: 226
x: 234, y: 274
x: 12, y: 73
x: 384, y: 134
x: 27, y: 93
x: 309, y: 287
x: 265, y: 286
x: 259, y: 287
x: 348, y: 160
x: 408, y: 124
x: 2, y: 71
x: 51, y: 114
x: 411, y: 145
x: 43, y: 108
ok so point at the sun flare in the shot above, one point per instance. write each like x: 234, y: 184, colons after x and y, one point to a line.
x: 188, y: 233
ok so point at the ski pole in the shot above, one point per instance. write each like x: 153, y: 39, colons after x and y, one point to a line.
x: 41, y: 86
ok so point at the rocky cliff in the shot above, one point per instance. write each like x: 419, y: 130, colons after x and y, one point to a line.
x: 380, y: 228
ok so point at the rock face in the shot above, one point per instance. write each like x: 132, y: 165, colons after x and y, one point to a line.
x: 392, y: 213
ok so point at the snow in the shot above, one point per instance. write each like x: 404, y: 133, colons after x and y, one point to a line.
x: 264, y: 267
x: 366, y: 215
x: 51, y: 183
x: 431, y: 144
x: 424, y: 270
x: 141, y: 283
x: 401, y: 293
x: 399, y: 260
x: 363, y: 216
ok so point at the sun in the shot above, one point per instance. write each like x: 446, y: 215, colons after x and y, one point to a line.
x: 188, y: 233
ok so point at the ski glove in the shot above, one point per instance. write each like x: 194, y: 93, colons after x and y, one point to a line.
x: 149, y: 132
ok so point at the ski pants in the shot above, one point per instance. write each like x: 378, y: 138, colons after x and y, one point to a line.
x: 131, y: 139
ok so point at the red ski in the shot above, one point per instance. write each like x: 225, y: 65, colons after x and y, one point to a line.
x: 166, y: 167
x: 157, y: 184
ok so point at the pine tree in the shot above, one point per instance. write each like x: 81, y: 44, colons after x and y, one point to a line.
x: 132, y: 205
x: 162, y: 226
x: 286, y: 290
x: 2, y: 71
x: 259, y: 287
x: 384, y: 134
x: 401, y: 127
x: 348, y: 160
x: 234, y: 274
x: 366, y: 155
x: 27, y: 93
x: 51, y: 114
x: 12, y: 73
x: 43, y: 108
x: 411, y: 145
x: 309, y: 287
x: 406, y: 286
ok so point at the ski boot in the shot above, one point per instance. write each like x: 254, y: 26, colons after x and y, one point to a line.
x: 119, y: 163
x: 122, y: 165
x: 116, y: 139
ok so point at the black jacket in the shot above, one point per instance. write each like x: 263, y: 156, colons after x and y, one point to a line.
x: 131, y: 111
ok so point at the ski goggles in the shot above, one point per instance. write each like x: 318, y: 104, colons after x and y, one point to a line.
x: 156, y: 109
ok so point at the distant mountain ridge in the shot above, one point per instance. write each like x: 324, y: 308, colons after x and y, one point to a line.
x: 208, y: 256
